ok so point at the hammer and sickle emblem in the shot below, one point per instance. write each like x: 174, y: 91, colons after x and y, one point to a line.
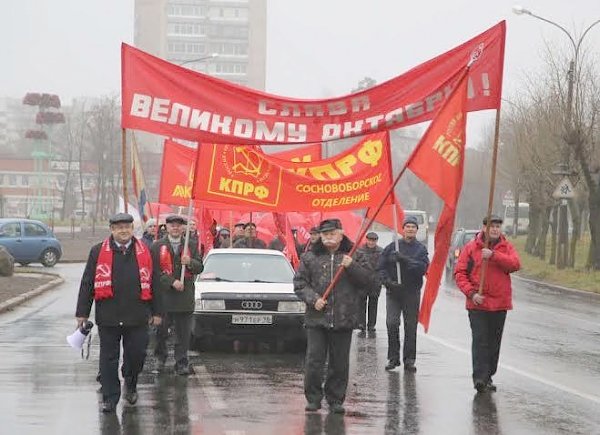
x: 247, y: 162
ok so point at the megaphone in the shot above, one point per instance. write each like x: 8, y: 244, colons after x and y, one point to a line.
x: 77, y: 338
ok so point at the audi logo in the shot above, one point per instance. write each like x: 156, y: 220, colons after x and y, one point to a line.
x: 252, y: 305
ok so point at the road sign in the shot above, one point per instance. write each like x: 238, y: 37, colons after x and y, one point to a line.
x: 508, y: 199
x: 564, y: 190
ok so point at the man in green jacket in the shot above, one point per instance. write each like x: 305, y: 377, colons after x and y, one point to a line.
x: 177, y: 296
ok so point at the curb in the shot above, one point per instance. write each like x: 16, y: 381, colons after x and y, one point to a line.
x: 17, y: 300
x: 555, y: 286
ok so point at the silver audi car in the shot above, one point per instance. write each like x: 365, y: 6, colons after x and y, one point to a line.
x: 247, y: 294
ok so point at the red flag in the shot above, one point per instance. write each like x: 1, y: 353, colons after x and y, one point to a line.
x: 284, y: 231
x: 438, y: 161
x: 177, y: 174
x: 386, y: 215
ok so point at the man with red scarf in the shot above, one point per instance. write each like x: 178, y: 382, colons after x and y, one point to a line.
x: 177, y: 296
x: 118, y: 277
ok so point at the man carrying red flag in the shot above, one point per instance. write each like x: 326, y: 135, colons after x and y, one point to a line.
x: 178, y: 297
x: 487, y: 311
x: 403, y: 293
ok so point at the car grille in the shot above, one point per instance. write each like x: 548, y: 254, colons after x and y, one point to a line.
x: 251, y: 305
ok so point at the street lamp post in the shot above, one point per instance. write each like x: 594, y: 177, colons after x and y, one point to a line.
x: 563, y: 169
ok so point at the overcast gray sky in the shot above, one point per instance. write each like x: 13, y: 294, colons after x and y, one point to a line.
x: 315, y: 48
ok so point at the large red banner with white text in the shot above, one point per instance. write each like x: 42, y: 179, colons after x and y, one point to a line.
x: 163, y: 98
x: 242, y: 175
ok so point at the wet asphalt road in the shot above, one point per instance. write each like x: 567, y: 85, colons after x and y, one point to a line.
x: 548, y: 381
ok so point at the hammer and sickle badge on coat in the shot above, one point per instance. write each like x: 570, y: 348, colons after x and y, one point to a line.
x: 144, y: 274
x: 102, y: 271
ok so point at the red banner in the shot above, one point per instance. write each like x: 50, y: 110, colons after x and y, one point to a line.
x: 244, y: 175
x: 438, y: 161
x: 170, y: 100
x: 177, y: 174
x: 308, y: 153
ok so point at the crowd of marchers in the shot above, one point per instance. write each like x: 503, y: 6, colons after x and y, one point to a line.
x: 135, y: 283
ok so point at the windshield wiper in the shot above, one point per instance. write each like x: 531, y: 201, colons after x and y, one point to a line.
x: 217, y: 278
x: 261, y: 280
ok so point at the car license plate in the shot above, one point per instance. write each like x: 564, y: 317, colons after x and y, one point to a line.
x: 252, y: 319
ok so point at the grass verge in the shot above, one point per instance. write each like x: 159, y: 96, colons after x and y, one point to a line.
x: 577, y: 278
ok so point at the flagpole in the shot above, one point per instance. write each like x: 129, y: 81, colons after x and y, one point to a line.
x: 396, y: 243
x: 490, y: 200
x: 337, y: 275
x: 230, y: 229
x: 137, y: 154
x: 187, y: 238
x: 124, y: 167
x: 157, y: 222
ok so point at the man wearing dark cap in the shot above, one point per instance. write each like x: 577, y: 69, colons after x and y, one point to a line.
x: 238, y: 232
x: 403, y: 295
x: 118, y: 277
x: 329, y: 323
x: 250, y: 240
x: 314, y: 238
x: 179, y: 301
x: 487, y: 310
x: 223, y: 239
x: 368, y: 309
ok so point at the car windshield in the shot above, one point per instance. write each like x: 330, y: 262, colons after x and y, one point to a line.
x: 468, y: 237
x: 247, y: 268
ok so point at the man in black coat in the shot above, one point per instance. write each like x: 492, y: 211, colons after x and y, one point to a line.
x: 403, y: 296
x: 118, y: 277
x: 368, y: 309
x: 178, y: 297
x: 329, y: 323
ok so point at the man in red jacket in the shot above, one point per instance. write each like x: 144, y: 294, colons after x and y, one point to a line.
x: 487, y: 310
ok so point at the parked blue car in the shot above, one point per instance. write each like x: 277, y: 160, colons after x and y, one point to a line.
x: 30, y: 241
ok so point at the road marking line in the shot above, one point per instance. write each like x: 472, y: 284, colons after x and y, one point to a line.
x: 558, y: 313
x: 215, y: 400
x: 520, y: 372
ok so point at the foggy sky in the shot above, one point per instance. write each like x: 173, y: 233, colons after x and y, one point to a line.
x: 315, y: 48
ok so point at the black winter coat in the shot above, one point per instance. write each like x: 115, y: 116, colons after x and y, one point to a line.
x: 174, y: 300
x: 413, y: 265
x: 126, y: 307
x: 373, y: 255
x: 316, y: 270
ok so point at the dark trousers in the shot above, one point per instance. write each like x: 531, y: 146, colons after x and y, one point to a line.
x: 403, y: 303
x: 368, y: 310
x: 135, y: 341
x: 321, y: 344
x: 486, y: 330
x: 182, y: 325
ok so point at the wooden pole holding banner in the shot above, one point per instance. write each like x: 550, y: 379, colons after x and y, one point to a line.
x: 396, y: 243
x: 337, y: 275
x: 124, y: 168
x: 484, y: 266
x: 187, y: 238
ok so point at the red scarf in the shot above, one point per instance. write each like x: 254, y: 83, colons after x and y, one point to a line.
x: 166, y: 261
x: 103, y: 280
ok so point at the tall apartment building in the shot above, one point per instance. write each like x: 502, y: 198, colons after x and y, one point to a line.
x: 181, y: 31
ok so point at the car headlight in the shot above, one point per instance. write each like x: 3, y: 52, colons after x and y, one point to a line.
x: 291, y: 306
x: 211, y: 304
